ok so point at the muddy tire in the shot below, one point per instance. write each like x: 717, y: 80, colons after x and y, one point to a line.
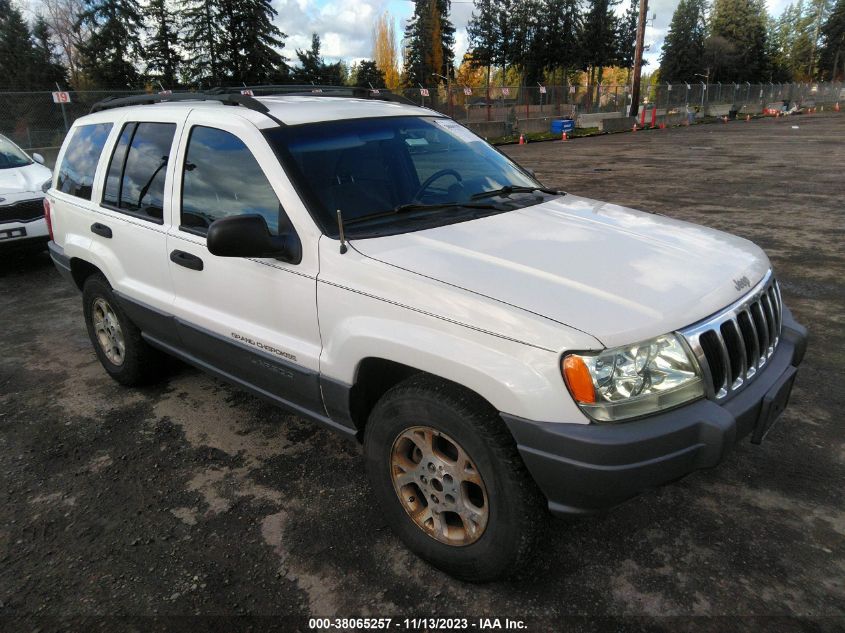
x: 450, y: 480
x: 117, y: 341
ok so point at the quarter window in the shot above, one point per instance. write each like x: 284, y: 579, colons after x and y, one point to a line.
x: 76, y: 174
x: 135, y: 181
x: 222, y: 178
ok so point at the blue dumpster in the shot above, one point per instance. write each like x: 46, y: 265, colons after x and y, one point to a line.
x: 559, y: 126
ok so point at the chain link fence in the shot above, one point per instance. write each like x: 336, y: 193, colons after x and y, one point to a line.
x: 35, y: 122
x: 527, y: 107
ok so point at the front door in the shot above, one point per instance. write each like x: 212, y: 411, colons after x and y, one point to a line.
x: 250, y: 320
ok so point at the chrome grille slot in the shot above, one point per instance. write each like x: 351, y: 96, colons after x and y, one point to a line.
x: 734, y: 344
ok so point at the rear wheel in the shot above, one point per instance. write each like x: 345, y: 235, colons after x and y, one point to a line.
x: 117, y: 341
x: 447, y: 472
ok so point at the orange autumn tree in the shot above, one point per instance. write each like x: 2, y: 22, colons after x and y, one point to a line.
x: 385, y: 52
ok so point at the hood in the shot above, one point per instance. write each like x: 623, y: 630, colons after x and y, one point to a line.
x: 617, y: 274
x: 23, y: 179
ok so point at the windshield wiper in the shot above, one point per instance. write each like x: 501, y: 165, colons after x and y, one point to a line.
x: 417, y: 206
x: 509, y: 189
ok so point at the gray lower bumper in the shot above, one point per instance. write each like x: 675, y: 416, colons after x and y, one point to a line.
x: 582, y: 468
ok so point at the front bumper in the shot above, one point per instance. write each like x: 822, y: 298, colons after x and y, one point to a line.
x: 583, y: 468
x: 23, y: 233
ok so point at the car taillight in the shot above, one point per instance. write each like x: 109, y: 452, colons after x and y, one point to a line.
x: 47, y: 218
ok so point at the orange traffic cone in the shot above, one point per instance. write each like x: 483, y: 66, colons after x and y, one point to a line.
x: 563, y: 136
x: 836, y: 107
x: 522, y: 139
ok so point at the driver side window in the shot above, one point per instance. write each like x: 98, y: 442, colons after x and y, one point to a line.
x: 221, y: 178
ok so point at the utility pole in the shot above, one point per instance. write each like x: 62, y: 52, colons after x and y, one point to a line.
x: 638, y: 58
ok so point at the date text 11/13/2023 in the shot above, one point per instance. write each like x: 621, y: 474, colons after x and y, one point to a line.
x: 414, y: 624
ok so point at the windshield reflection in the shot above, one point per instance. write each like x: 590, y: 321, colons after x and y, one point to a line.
x: 369, y: 167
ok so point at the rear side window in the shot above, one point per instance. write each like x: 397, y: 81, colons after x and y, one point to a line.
x: 135, y: 180
x: 76, y: 174
x: 221, y: 179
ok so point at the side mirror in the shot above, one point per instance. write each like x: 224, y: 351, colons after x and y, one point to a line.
x: 38, y: 158
x: 248, y: 236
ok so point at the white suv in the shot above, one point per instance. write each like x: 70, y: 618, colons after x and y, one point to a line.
x: 499, y: 348
x: 23, y: 179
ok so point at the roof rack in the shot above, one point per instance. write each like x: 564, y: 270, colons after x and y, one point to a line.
x: 356, y: 92
x: 235, y: 96
x: 222, y: 96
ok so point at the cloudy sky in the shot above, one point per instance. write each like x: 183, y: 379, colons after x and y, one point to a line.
x: 345, y: 26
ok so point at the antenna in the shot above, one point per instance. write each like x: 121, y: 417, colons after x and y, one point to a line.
x: 343, y: 248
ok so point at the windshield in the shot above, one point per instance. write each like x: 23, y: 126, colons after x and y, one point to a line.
x: 375, y: 170
x: 11, y: 155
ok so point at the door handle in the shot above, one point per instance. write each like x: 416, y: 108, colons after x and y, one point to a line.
x: 101, y: 230
x: 186, y: 259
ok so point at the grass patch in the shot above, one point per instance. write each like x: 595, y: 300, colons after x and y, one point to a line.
x: 533, y: 137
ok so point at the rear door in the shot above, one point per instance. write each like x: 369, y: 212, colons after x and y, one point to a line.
x: 254, y: 320
x: 134, y: 211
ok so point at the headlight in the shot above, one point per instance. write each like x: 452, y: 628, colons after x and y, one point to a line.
x: 45, y: 186
x: 633, y: 380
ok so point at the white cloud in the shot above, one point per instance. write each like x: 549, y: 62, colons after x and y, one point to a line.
x: 344, y: 26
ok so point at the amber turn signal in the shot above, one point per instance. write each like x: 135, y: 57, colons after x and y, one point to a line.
x: 578, y: 380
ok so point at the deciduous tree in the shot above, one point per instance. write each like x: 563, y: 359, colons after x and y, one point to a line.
x: 385, y: 52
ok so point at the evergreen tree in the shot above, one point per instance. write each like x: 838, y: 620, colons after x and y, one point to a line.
x: 564, y: 25
x: 776, y: 45
x: 162, y: 56
x: 628, y: 35
x: 202, y: 39
x: 16, y: 53
x: 742, y: 24
x: 113, y: 50
x: 682, y: 56
x: 832, y: 52
x: 250, y: 42
x: 310, y: 69
x: 529, y: 41
x: 483, y: 35
x: 505, y: 34
x: 368, y: 75
x: 429, y: 37
x: 313, y: 70
x: 46, y: 70
x: 600, y: 38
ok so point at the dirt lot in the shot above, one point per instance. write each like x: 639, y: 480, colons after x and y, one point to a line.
x: 194, y: 498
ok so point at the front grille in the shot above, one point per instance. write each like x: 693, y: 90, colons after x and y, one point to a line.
x: 735, y: 344
x: 22, y: 211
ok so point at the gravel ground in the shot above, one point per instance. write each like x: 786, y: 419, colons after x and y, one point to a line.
x: 193, y: 498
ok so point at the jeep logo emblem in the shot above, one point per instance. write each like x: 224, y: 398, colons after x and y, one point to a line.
x: 741, y: 283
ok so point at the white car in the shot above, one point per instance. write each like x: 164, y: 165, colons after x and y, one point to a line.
x: 500, y: 348
x: 22, y: 183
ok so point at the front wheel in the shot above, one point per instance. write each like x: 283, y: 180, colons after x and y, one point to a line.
x: 452, y: 484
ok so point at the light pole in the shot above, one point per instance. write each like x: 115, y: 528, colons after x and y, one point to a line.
x: 448, y: 88
x: 704, y: 87
x: 638, y: 59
